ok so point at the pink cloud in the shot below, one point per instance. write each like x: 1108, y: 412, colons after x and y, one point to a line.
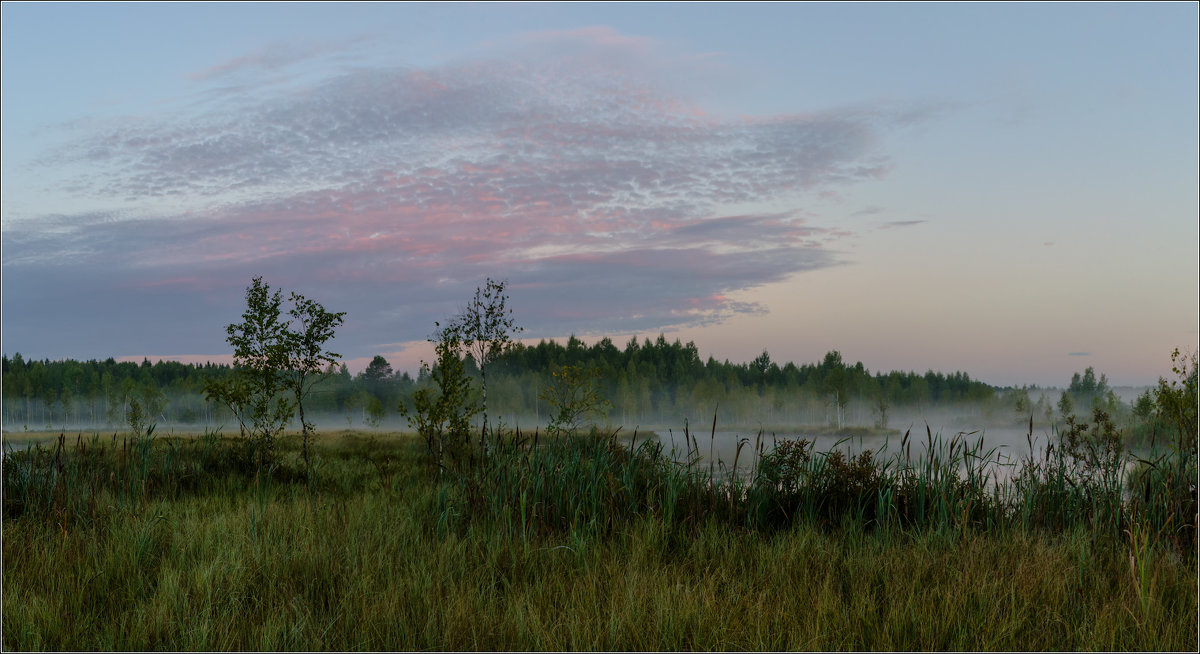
x: 581, y: 179
x: 273, y: 57
x: 597, y: 35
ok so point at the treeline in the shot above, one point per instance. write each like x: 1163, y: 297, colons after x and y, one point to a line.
x: 99, y: 393
x: 665, y: 381
x: 655, y: 381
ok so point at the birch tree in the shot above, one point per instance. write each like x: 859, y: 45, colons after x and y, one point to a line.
x: 487, y: 328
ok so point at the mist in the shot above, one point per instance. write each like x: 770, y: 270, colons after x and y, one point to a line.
x: 675, y: 421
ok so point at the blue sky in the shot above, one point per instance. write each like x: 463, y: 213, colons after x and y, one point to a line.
x: 1009, y: 190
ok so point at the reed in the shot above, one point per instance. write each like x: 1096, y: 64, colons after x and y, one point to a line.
x: 592, y: 485
x: 588, y: 541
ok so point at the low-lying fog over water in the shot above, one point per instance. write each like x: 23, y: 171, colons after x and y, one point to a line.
x: 1005, y: 445
x: 995, y: 432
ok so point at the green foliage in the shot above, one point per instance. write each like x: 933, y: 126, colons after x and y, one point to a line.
x: 653, y: 380
x: 441, y: 413
x: 1021, y: 402
x: 257, y: 393
x: 662, y: 382
x: 580, y: 484
x: 1163, y: 487
x: 574, y: 396
x: 486, y: 328
x: 378, y: 371
x: 136, y: 417
x: 1066, y: 406
x: 1087, y: 386
x: 227, y: 564
x: 1086, y: 392
x: 375, y: 411
x: 1143, y: 407
x: 881, y: 411
x: 80, y: 484
x: 783, y: 474
x: 307, y: 359
x: 1093, y: 449
x: 276, y: 363
x: 142, y: 405
x: 153, y: 543
x: 1176, y: 400
x: 943, y: 491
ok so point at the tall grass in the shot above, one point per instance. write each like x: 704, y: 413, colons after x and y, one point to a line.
x: 79, y: 482
x: 593, y: 484
x: 588, y: 541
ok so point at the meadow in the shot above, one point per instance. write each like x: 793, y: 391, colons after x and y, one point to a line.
x: 591, y: 540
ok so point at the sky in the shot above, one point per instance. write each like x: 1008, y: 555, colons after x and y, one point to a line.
x: 1008, y: 190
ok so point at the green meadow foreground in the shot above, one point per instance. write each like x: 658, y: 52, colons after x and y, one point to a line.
x: 579, y: 543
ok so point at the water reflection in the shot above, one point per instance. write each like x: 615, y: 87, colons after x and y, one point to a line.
x: 1000, y: 452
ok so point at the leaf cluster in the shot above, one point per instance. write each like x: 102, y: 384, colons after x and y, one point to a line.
x: 574, y: 395
x: 441, y: 413
x: 276, y: 362
x: 1094, y: 450
x: 1176, y: 400
x: 486, y: 326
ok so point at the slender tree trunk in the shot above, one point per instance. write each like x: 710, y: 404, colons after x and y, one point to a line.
x: 483, y: 434
x: 303, y: 430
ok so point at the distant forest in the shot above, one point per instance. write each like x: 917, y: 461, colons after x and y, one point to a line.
x: 651, y: 382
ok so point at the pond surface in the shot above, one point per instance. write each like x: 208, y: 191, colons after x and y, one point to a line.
x: 1004, y: 447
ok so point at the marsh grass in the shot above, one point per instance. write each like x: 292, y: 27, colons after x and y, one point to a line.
x: 592, y: 485
x: 587, y: 542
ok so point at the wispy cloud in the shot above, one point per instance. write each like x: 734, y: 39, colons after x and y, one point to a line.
x: 273, y: 57
x: 894, y: 224
x: 391, y: 192
x: 868, y: 211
